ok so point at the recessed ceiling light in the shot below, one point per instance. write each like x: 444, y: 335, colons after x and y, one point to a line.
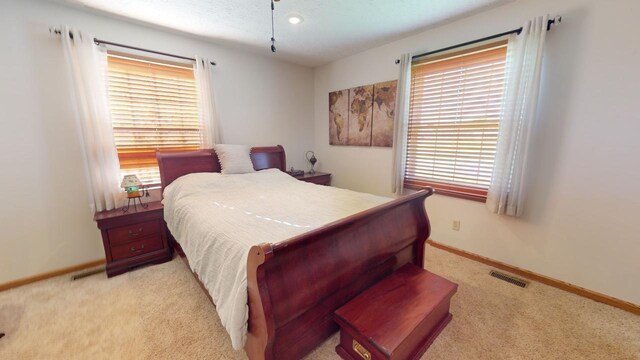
x: 295, y: 19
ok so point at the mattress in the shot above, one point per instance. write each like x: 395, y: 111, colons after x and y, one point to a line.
x: 216, y: 218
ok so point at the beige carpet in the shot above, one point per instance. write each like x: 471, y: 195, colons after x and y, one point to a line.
x: 160, y: 312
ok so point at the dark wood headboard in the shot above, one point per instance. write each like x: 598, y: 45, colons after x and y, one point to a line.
x: 174, y: 165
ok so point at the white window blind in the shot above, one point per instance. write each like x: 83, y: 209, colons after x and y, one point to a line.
x: 453, y: 120
x: 154, y: 107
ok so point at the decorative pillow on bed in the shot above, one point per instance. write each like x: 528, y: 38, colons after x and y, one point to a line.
x: 234, y: 159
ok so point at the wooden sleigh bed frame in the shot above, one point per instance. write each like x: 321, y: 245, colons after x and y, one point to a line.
x: 294, y: 286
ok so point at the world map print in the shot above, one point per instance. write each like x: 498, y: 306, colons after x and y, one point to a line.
x: 384, y: 107
x: 360, y: 115
x: 363, y: 115
x: 338, y: 117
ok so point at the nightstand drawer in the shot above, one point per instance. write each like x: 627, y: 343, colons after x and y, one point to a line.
x: 138, y: 247
x: 125, y: 234
x: 320, y: 179
x: 317, y: 177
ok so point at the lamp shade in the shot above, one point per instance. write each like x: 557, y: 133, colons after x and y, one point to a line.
x: 130, y: 180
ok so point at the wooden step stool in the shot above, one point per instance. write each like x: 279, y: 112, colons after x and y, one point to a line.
x: 396, y: 319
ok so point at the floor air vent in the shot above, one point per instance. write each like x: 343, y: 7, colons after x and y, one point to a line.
x: 87, y: 273
x: 510, y: 279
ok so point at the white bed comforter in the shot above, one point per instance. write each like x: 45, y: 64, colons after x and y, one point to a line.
x: 216, y: 219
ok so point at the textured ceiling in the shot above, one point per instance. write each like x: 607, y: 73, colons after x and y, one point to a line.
x: 331, y: 29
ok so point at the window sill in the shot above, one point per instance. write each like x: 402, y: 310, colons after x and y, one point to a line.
x: 449, y: 190
x: 153, y: 186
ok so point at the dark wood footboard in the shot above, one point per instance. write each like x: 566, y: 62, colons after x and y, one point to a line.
x: 294, y: 286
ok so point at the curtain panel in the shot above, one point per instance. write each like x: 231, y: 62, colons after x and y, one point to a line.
x: 401, y: 125
x: 209, y: 127
x: 522, y: 85
x: 87, y: 64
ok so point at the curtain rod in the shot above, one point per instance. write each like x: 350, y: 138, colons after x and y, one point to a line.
x: 557, y: 19
x: 98, y: 42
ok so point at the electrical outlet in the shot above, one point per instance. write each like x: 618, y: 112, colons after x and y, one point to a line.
x: 456, y: 225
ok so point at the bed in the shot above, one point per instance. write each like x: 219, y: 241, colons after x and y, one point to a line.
x: 293, y: 285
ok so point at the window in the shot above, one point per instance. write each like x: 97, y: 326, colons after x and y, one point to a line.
x: 453, y: 120
x: 154, y: 107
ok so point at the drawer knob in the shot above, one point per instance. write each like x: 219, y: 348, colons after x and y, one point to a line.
x: 133, y: 248
x: 360, y: 350
x: 131, y: 233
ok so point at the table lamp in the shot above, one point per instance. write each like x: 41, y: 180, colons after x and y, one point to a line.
x: 312, y: 160
x: 131, y: 184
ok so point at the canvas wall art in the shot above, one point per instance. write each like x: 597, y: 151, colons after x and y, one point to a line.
x: 360, y: 115
x: 384, y: 106
x: 363, y: 115
x: 339, y: 117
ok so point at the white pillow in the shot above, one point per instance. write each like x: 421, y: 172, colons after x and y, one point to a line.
x: 234, y: 159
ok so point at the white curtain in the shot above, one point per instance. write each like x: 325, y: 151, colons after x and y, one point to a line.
x: 87, y: 65
x: 522, y: 84
x: 210, y: 133
x: 401, y: 125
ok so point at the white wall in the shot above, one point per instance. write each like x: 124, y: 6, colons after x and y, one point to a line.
x: 581, y: 221
x: 44, y: 215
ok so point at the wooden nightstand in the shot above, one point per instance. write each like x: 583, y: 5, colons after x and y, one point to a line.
x: 133, y: 238
x: 319, y: 178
